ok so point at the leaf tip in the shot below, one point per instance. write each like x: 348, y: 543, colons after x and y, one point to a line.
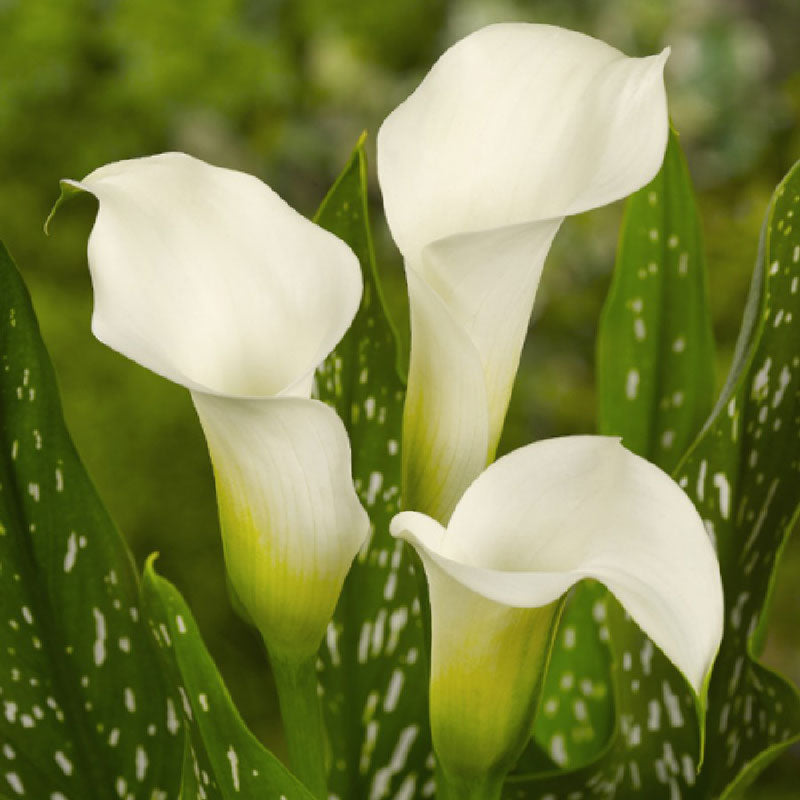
x: 69, y: 189
x: 149, y: 570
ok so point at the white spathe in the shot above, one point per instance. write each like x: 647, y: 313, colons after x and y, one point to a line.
x: 514, y: 128
x: 205, y: 276
x: 532, y: 525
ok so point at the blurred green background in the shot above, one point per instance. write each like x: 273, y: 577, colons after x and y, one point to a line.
x: 282, y: 89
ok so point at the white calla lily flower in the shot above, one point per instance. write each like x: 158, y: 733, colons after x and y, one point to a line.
x: 205, y: 276
x: 514, y: 128
x: 531, y: 526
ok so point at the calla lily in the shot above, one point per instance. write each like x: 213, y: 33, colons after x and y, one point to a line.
x: 514, y: 128
x: 531, y: 526
x: 205, y: 276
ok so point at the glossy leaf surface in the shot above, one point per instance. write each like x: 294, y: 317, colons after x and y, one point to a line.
x: 85, y: 711
x: 655, y: 389
x: 655, y: 348
x: 741, y: 472
x: 373, y: 660
x: 744, y: 477
x: 222, y: 758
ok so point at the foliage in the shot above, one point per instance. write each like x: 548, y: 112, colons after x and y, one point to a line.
x: 374, y: 656
x: 653, y: 393
x: 221, y: 758
x: 86, y: 678
x: 738, y: 473
x: 86, y: 711
x: 281, y: 89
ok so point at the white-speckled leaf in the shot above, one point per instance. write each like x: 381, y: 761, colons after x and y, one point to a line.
x: 576, y: 712
x: 744, y: 477
x: 742, y: 473
x: 655, y: 389
x: 373, y: 660
x: 222, y: 759
x: 84, y: 707
x: 655, y: 348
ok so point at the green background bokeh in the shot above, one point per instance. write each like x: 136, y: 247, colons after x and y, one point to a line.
x: 282, y: 89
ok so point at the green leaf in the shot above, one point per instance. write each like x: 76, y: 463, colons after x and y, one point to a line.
x: 655, y: 387
x: 655, y: 350
x: 222, y: 758
x: 744, y: 476
x: 373, y: 662
x: 742, y: 473
x: 576, y: 711
x: 84, y: 707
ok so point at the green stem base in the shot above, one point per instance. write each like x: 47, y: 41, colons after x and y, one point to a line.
x: 451, y: 787
x: 302, y: 722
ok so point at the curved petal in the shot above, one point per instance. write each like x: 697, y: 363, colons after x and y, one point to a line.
x: 515, y: 123
x: 524, y: 589
x: 532, y: 525
x: 445, y: 430
x: 583, y: 506
x: 488, y: 659
x: 291, y: 520
x: 199, y: 273
x: 488, y: 281
x: 513, y: 128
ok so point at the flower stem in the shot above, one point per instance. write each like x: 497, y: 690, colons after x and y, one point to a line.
x: 453, y: 787
x: 301, y: 712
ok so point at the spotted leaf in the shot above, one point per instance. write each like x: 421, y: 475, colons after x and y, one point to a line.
x: 84, y: 709
x: 741, y: 472
x: 373, y: 669
x: 222, y: 758
x: 576, y: 711
x: 655, y: 382
x: 655, y: 348
x: 744, y: 476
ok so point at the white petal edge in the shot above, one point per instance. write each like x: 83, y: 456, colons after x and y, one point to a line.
x: 199, y: 272
x: 291, y: 520
x: 519, y: 122
x: 551, y: 513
